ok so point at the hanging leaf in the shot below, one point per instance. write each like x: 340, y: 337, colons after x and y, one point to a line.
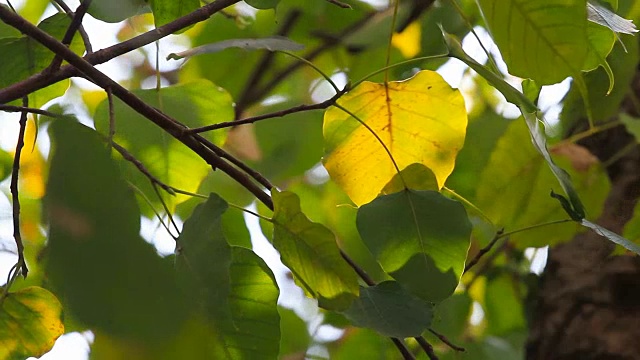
x: 544, y: 40
x: 390, y: 310
x: 31, y: 322
x: 165, y: 11
x: 423, y: 121
x: 114, y: 11
x: 231, y: 287
x: 309, y: 249
x: 518, y: 196
x: 273, y: 43
x: 611, y: 236
x: 96, y: 258
x: 420, y: 238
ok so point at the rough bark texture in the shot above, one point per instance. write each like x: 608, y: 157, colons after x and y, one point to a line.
x: 588, y: 306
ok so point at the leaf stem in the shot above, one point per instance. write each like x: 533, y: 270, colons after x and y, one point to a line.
x: 374, y: 73
x: 469, y: 204
x: 317, y: 69
x: 505, y: 234
x: 250, y: 212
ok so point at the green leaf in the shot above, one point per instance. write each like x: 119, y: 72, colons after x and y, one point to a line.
x: 501, y: 293
x: 113, y: 11
x: 414, y: 176
x: 604, y: 104
x: 295, y: 337
x: 31, y: 322
x: 632, y: 125
x: 24, y: 56
x: 195, y: 104
x: 451, y: 315
x: 309, y: 250
x: 420, y: 238
x: 231, y: 286
x: 513, y: 188
x: 263, y: 4
x: 96, y: 258
x: 165, y: 11
x: 390, y: 310
x: 544, y: 40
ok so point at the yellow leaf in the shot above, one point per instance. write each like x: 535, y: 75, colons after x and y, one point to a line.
x: 408, y: 41
x: 31, y: 322
x: 423, y: 121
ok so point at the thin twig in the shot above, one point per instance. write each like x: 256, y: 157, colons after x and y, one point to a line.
x: 406, y: 354
x: 428, y: 349
x: 138, y: 164
x: 112, y: 116
x: 340, y: 4
x: 447, y: 341
x: 81, y: 30
x: 265, y: 62
x: 250, y: 120
x: 484, y: 250
x: 15, y: 108
x: 76, y: 23
x: 15, y: 173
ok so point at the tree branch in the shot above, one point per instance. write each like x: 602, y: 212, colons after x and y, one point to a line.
x: 76, y: 23
x: 43, y: 79
x: 83, y: 33
x: 21, y: 265
x: 168, y: 124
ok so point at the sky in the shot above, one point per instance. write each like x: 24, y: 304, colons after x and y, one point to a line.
x: 75, y: 346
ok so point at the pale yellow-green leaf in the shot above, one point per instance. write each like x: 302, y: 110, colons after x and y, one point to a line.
x: 30, y: 323
x: 423, y: 120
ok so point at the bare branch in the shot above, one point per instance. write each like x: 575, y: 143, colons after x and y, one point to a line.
x: 21, y: 265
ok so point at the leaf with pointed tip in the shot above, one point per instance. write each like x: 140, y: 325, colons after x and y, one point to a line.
x: 420, y: 238
x: 423, y: 120
x: 545, y: 40
x: 231, y: 286
x: 273, y: 43
x: 31, y: 321
x: 310, y: 251
x: 605, y: 17
x: 390, y: 310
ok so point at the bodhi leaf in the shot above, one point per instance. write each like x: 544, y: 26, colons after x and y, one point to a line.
x: 414, y: 176
x: 310, y: 251
x: 165, y: 11
x: 423, y: 121
x: 420, y: 238
x: 391, y: 310
x: 273, y: 43
x: 231, y: 286
x: 195, y: 104
x: 113, y: 11
x: 96, y: 258
x: 513, y: 189
x: 544, y: 40
x: 31, y: 322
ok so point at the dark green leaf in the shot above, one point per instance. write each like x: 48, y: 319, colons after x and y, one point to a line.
x: 165, y: 11
x: 113, y: 11
x: 95, y: 252
x: 263, y: 4
x: 420, y: 238
x: 390, y: 310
